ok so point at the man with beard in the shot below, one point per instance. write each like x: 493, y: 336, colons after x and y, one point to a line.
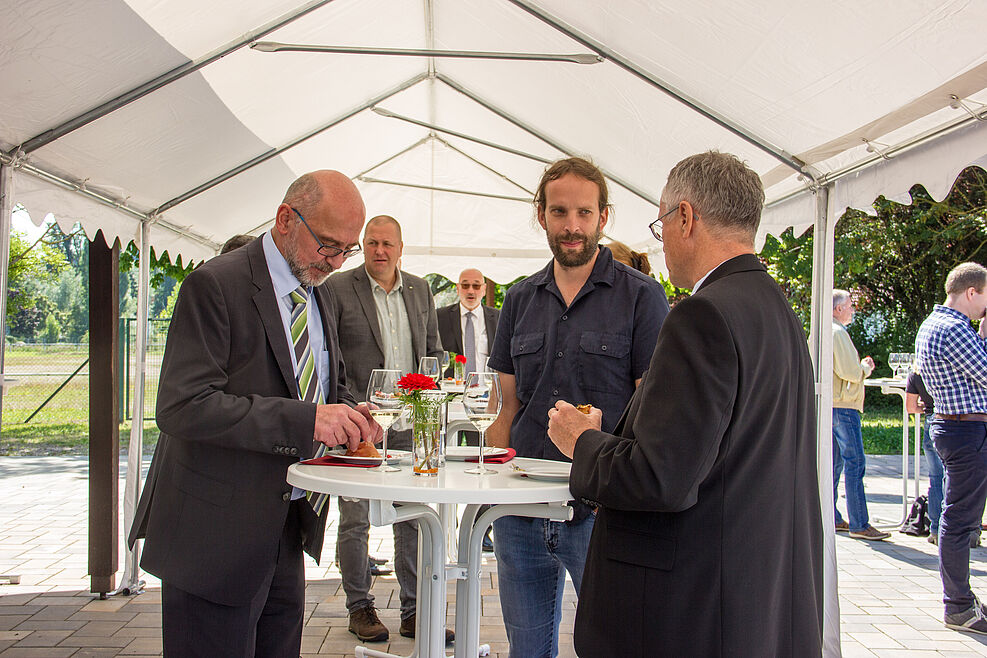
x: 252, y: 381
x: 583, y: 328
x: 708, y: 540
x: 952, y: 359
x: 386, y: 319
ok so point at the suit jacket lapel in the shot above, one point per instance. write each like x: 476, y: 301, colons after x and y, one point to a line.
x: 491, y: 324
x: 365, y: 293
x: 270, y: 314
x: 411, y: 306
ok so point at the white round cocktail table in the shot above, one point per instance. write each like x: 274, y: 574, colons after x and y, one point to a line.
x: 507, y: 491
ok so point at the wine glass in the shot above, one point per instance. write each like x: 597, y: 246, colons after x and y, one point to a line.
x: 444, y: 361
x: 429, y: 366
x: 382, y: 391
x: 482, y: 400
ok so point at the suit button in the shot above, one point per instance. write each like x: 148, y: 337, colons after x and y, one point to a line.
x: 294, y: 451
x: 286, y: 496
x: 276, y: 449
x: 559, y: 355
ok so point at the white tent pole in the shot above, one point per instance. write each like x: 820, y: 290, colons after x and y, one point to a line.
x: 277, y: 47
x: 493, y: 171
x: 6, y: 211
x: 531, y: 130
x: 821, y: 349
x: 451, y: 190
x: 176, y: 73
x: 131, y: 583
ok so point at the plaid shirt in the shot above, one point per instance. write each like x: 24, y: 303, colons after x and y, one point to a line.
x: 952, y: 360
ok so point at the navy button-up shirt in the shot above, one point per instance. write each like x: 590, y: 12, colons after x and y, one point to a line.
x: 591, y: 351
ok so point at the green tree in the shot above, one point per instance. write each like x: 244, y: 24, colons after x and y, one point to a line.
x: 32, y: 266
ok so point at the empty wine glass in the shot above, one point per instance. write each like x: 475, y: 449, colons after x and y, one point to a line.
x: 429, y: 366
x: 382, y: 391
x: 444, y: 361
x: 482, y: 400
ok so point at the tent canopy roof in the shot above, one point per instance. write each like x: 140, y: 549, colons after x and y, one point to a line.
x: 804, y: 93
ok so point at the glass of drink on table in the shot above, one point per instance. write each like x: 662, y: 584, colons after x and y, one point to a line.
x: 482, y: 400
x: 429, y: 366
x: 382, y: 392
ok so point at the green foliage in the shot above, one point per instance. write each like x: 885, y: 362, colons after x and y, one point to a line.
x: 161, y: 266
x: 32, y: 267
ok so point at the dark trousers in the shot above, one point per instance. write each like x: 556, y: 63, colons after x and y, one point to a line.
x: 963, y: 448
x: 269, y: 626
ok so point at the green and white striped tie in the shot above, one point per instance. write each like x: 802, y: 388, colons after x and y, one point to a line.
x: 309, y: 388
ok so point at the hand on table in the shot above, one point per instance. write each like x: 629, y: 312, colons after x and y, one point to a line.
x: 566, y: 423
x: 341, y: 424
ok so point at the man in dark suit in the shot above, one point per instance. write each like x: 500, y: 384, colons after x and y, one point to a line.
x: 463, y: 332
x: 386, y: 319
x: 469, y: 318
x: 238, y: 404
x: 708, y: 537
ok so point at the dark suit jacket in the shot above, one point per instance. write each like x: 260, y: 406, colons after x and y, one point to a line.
x: 359, y: 328
x: 451, y: 330
x: 708, y: 539
x: 216, y: 499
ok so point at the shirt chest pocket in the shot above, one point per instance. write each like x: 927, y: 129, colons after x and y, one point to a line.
x: 528, y: 355
x: 603, y: 364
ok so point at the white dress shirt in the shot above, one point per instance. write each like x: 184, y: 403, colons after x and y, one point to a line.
x: 479, y: 331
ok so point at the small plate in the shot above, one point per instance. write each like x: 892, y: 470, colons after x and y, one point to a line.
x: 547, y: 473
x: 396, y: 456
x: 462, y: 453
x: 342, y: 456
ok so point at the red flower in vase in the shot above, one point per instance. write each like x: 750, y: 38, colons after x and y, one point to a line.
x: 417, y: 382
x: 460, y: 358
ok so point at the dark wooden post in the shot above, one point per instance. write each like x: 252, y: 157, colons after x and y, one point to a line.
x: 104, y: 412
x: 490, y: 296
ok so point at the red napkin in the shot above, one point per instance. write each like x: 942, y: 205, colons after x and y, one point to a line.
x: 332, y: 460
x: 499, y: 459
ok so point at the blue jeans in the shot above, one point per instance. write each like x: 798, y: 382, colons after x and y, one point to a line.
x: 937, y: 477
x: 962, y: 445
x: 848, y: 458
x: 532, y: 558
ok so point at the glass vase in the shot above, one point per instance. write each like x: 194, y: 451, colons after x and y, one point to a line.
x: 426, y: 439
x: 460, y: 372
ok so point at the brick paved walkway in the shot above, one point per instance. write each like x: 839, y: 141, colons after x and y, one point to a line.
x: 889, y: 591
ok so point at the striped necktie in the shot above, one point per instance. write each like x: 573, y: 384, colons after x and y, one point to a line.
x: 309, y: 388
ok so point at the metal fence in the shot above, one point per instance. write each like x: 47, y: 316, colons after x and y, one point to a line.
x: 48, y: 384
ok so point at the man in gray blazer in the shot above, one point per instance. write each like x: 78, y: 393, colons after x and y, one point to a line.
x: 386, y: 319
x: 236, y: 407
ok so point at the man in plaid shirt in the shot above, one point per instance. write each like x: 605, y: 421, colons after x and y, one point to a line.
x: 952, y: 359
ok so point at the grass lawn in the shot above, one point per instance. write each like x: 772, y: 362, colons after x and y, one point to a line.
x: 882, y: 432
x: 65, y: 438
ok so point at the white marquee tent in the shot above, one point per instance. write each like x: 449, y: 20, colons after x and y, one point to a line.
x: 179, y: 123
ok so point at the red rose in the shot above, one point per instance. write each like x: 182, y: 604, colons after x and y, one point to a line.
x: 460, y: 358
x: 417, y: 382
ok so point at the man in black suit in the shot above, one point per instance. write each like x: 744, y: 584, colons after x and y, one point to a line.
x: 464, y: 333
x: 469, y: 318
x: 708, y: 538
x: 239, y: 403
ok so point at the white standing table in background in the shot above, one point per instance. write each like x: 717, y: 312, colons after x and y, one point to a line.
x: 510, y: 495
x: 896, y: 386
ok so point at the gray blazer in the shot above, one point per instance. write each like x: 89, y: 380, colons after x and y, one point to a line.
x: 359, y: 329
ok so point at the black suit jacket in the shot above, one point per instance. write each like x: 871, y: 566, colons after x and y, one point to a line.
x: 451, y: 330
x: 215, y: 501
x: 709, y: 535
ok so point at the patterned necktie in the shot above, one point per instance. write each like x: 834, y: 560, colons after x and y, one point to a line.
x: 309, y: 388
x: 469, y: 343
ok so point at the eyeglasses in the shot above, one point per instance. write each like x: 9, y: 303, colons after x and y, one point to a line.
x: 656, y: 225
x: 327, y: 250
x: 474, y: 286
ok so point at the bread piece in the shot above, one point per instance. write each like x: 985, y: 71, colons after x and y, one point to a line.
x: 364, y: 450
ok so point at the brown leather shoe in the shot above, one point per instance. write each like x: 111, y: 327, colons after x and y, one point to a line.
x: 365, y: 624
x: 842, y: 526
x: 869, y: 533
x: 408, y: 629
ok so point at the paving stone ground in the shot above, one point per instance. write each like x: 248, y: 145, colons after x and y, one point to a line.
x: 890, y: 594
